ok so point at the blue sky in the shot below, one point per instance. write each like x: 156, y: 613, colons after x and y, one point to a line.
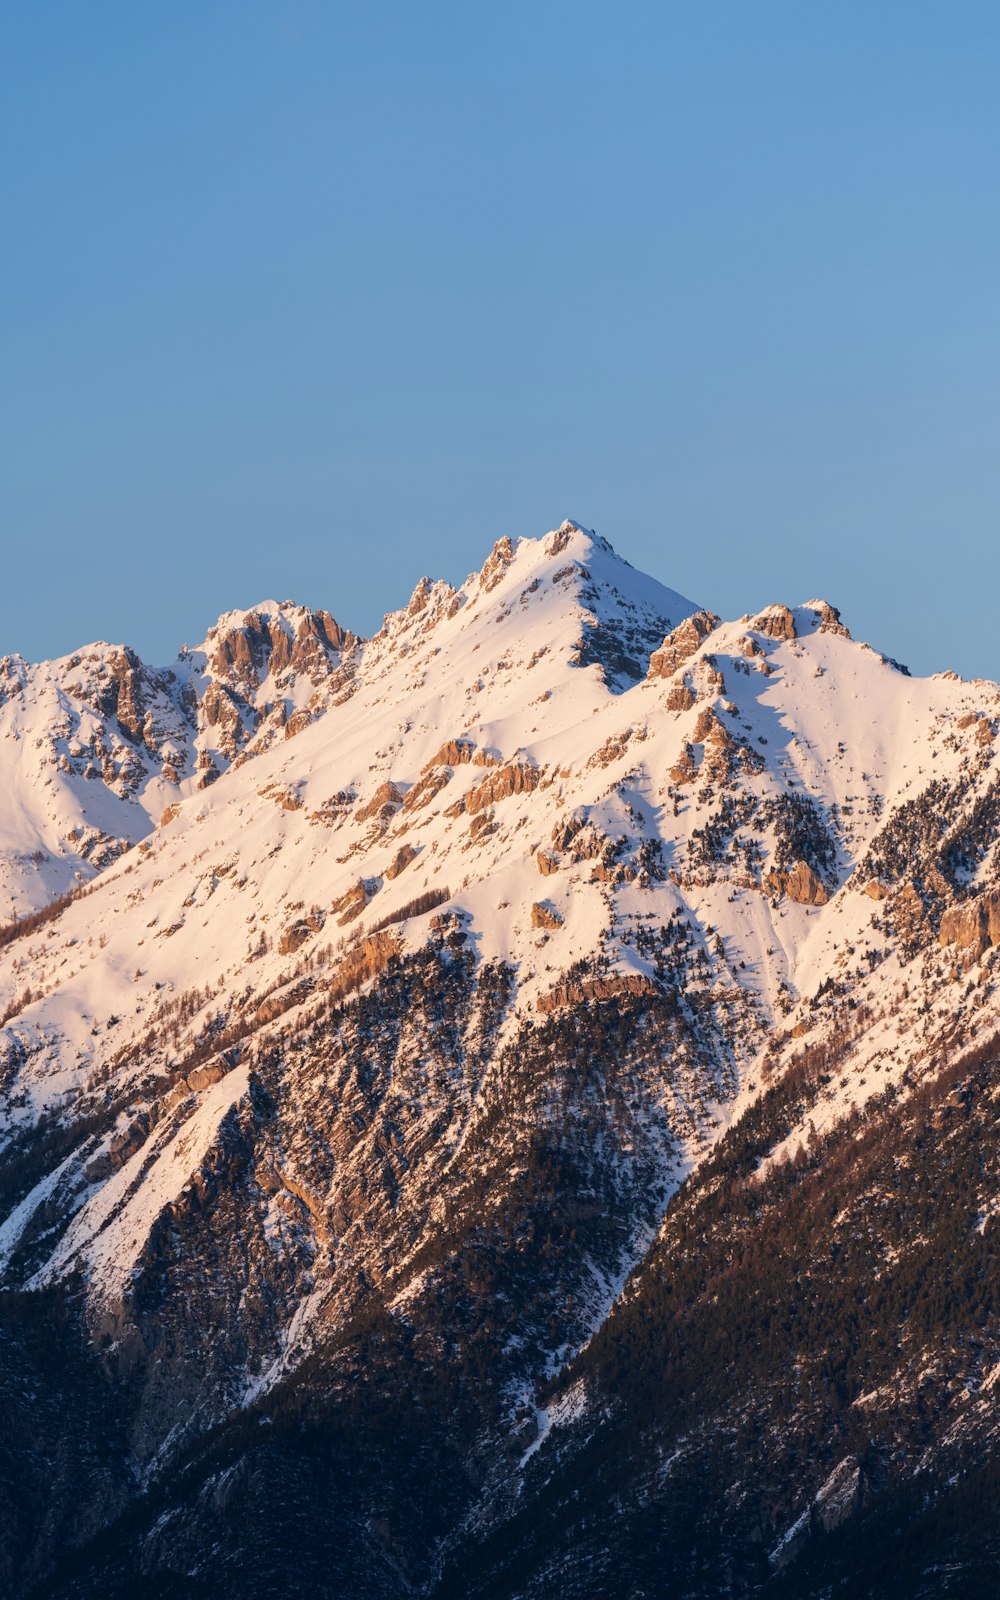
x: 307, y: 299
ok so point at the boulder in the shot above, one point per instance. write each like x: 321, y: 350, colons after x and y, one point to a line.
x: 544, y: 915
x: 800, y: 883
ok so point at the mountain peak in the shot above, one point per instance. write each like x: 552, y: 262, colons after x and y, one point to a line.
x: 272, y: 639
x: 320, y: 1092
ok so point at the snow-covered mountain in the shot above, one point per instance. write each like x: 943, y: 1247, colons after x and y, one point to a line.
x: 97, y: 745
x: 425, y: 981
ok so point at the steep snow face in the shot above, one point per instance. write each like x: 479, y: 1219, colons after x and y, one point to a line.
x: 561, y: 769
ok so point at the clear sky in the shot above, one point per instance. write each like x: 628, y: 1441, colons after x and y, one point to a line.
x: 305, y: 298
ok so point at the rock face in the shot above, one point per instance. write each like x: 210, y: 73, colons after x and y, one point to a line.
x: 777, y: 622
x: 276, y: 642
x: 680, y: 645
x: 800, y: 883
x: 351, y: 904
x: 840, y: 1496
x: 298, y: 932
x: 203, y: 1077
x: 566, y: 995
x: 401, y: 860
x: 684, y: 769
x: 544, y: 915
x: 518, y: 777
x: 385, y: 800
x: 830, y: 619
x: 680, y: 697
x: 973, y: 927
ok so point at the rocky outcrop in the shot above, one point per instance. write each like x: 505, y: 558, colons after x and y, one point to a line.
x: 318, y: 638
x: 120, y: 1148
x: 246, y: 653
x: 564, y: 831
x: 221, y: 713
x: 840, y: 1496
x: 777, y: 622
x: 680, y: 696
x: 709, y: 730
x: 974, y: 926
x: 208, y: 770
x: 545, y: 915
x: 423, y: 792
x: 286, y: 999
x: 613, y: 748
x: 334, y: 809
x: 242, y: 653
x: 298, y: 932
x: 382, y: 804
x: 829, y: 619
x: 496, y: 564
x: 680, y: 645
x: 800, y: 883
x: 365, y: 961
x: 401, y: 860
x: 125, y: 690
x: 593, y: 989
x: 351, y: 904
x: 557, y: 542
x: 453, y: 753
x: 284, y: 795
x: 203, y: 1077
x: 517, y: 777
x: 685, y: 767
